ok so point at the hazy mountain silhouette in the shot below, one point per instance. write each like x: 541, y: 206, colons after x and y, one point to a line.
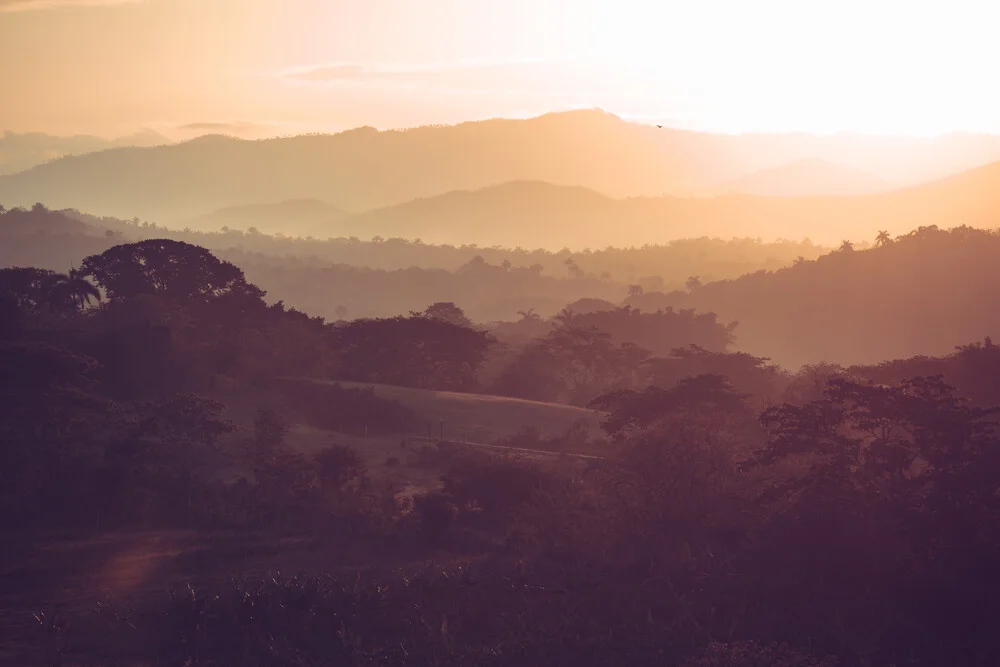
x: 364, y: 169
x: 529, y: 214
x: 298, y: 217
x: 24, y: 151
x: 808, y: 177
x: 916, y: 295
x: 532, y: 214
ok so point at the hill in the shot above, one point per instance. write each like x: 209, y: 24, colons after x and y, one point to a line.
x: 483, y: 418
x: 364, y: 169
x: 296, y: 217
x: 21, y: 151
x: 549, y: 216
x: 808, y: 177
x: 526, y: 214
x: 922, y: 294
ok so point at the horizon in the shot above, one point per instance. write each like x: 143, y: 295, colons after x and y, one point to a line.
x: 180, y: 137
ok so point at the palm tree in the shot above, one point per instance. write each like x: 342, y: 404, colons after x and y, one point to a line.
x: 72, y: 291
x: 883, y: 239
x: 574, y: 270
x: 846, y: 246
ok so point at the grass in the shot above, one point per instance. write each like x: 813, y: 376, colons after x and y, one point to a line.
x: 479, y: 418
x: 484, y: 418
x: 68, y: 575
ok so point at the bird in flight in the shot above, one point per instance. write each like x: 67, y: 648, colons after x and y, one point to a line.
x: 660, y: 126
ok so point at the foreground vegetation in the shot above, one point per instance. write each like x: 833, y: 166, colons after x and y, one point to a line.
x: 738, y: 514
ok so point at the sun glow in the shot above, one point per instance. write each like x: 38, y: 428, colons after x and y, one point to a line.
x: 878, y: 66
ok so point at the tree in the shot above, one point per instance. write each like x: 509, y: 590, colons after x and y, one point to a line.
x: 571, y: 364
x: 883, y: 239
x: 447, y: 311
x: 846, y: 246
x: 10, y: 318
x: 27, y: 287
x: 692, y: 283
x: 337, y: 465
x: 413, y: 351
x: 174, y: 270
x: 660, y: 332
x: 71, y: 291
x: 635, y: 291
x: 575, y: 271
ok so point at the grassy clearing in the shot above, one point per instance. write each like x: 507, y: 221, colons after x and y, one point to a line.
x: 483, y: 418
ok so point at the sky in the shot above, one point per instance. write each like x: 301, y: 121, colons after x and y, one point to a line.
x: 274, y: 67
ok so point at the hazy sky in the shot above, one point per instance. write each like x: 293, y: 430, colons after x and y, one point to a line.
x: 279, y: 66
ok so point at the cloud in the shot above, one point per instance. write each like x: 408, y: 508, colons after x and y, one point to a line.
x: 34, y: 5
x: 222, y: 127
x: 508, y: 78
x: 243, y: 129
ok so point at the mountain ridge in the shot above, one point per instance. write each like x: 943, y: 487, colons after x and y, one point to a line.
x: 366, y: 169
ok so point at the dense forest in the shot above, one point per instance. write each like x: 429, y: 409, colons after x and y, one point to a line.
x: 348, y: 277
x: 854, y: 306
x: 166, y: 421
x: 795, y: 303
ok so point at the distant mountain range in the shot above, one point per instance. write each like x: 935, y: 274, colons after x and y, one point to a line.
x: 531, y: 214
x: 19, y: 152
x: 809, y: 177
x: 365, y: 169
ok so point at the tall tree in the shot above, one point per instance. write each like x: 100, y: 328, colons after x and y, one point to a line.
x: 172, y: 269
x: 72, y: 291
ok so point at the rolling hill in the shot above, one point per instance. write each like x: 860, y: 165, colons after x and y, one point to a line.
x: 543, y: 215
x: 364, y: 169
x: 922, y: 294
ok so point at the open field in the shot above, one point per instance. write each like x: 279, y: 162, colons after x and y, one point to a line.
x: 475, y: 418
x: 480, y: 417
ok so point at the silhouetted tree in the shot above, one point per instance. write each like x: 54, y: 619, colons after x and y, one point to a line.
x: 411, y: 351
x: 447, y: 312
x: 28, y: 288
x: 883, y: 239
x: 172, y: 269
x: 571, y: 364
x: 72, y: 291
